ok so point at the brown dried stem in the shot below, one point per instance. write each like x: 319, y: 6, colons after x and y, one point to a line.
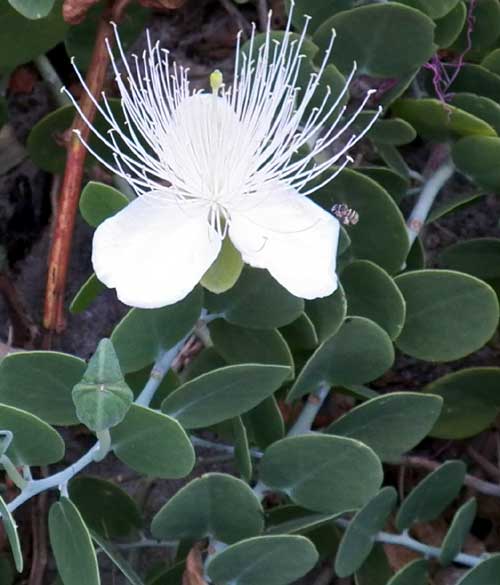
x: 53, y: 319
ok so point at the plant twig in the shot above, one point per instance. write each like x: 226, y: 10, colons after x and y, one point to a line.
x: 39, y: 524
x: 483, y: 487
x: 36, y: 486
x: 49, y: 74
x: 53, y: 318
x: 228, y: 449
x: 262, y: 11
x: 491, y: 469
x: 161, y: 367
x: 232, y: 10
x: 306, y: 418
x: 426, y: 199
x: 410, y: 543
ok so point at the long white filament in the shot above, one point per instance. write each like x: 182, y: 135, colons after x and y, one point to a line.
x: 250, y: 137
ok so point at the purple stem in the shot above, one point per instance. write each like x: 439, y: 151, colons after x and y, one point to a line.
x: 441, y: 80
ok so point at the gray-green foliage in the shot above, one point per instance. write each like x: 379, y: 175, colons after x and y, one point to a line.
x: 270, y: 355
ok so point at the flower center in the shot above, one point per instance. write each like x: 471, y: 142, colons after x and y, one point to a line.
x: 202, y: 146
x: 219, y: 219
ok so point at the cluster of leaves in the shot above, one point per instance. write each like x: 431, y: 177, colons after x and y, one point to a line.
x: 266, y: 348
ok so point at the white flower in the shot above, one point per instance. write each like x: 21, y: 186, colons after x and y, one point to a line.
x: 226, y: 164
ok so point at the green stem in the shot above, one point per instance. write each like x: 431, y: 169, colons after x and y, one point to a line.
x: 104, y: 438
x: 49, y: 74
x: 12, y: 472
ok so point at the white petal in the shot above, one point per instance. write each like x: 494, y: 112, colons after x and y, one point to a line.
x: 291, y: 236
x: 154, y: 252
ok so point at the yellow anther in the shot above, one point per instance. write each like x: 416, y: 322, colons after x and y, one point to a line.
x: 216, y: 80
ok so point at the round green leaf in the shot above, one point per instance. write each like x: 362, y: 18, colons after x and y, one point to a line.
x: 292, y: 519
x: 476, y: 79
x: 301, y: 334
x: 10, y: 527
x: 34, y: 442
x: 492, y: 61
x: 479, y: 257
x: 223, y: 393
x: 414, y: 573
x: 81, y: 38
x: 105, y: 508
x: 385, y: 40
x: 448, y: 27
x: 153, y: 444
x: 41, y: 383
x: 479, y: 106
x: 397, y: 87
x: 386, y: 130
x: 359, y: 537
x: 372, y: 293
x: 143, y: 333
x: 327, y: 314
x: 46, y: 141
x: 72, y: 546
x: 309, y: 49
x: 102, y: 398
x: 215, y: 505
x: 264, y: 423
x: 433, y: 8
x: 458, y: 532
x: 448, y: 314
x: 331, y: 81
x: 33, y: 9
x: 446, y: 207
x: 471, y: 402
x: 322, y: 473
x: 256, y: 301
x: 359, y: 352
x: 380, y: 235
x: 318, y: 10
x: 393, y: 159
x: 273, y: 560
x: 435, y: 120
x: 38, y: 36
x: 477, y: 156
x: 87, y: 294
x: 242, y: 345
x: 395, y: 184
x: 99, y: 201
x: 485, y: 573
x: 486, y: 28
x: 391, y: 424
x: 432, y: 495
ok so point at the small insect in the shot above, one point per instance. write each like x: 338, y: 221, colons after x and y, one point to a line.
x: 345, y: 214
